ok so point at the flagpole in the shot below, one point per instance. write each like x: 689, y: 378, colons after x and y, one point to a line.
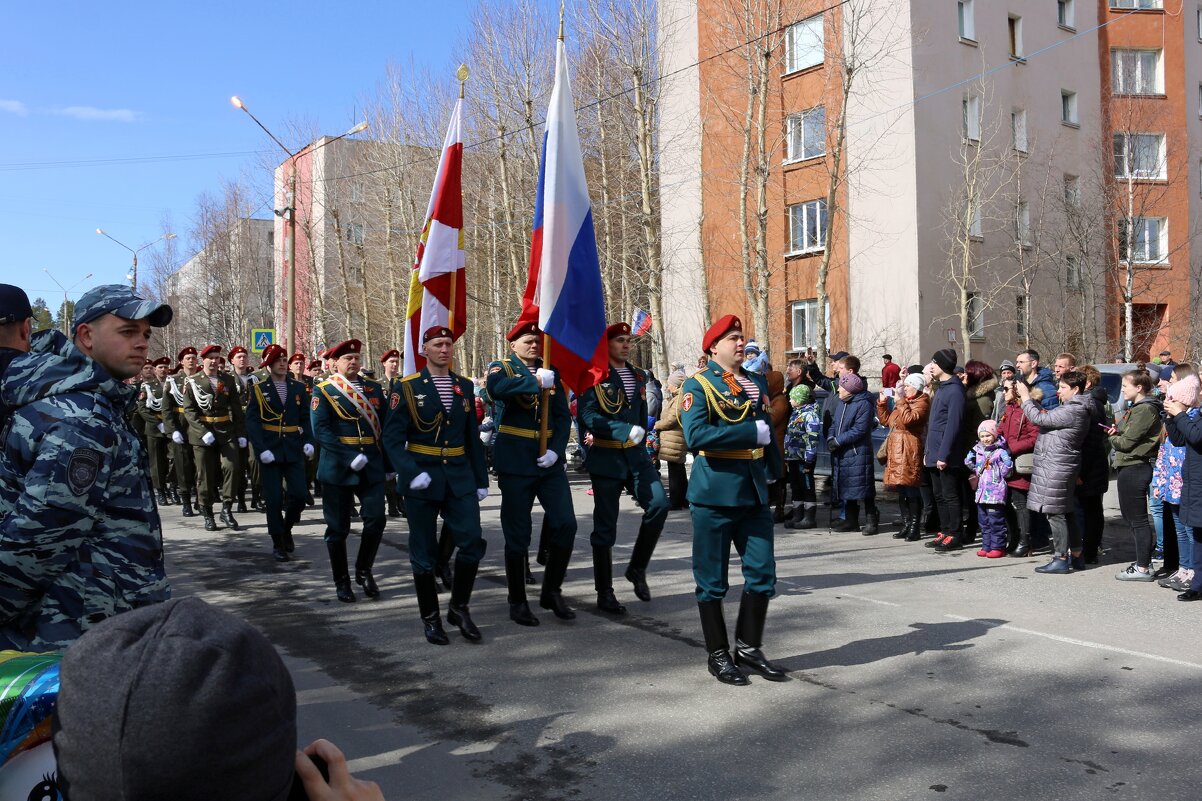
x: 462, y: 75
x: 545, y: 396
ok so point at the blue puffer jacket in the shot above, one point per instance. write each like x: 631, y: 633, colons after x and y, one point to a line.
x: 852, y: 454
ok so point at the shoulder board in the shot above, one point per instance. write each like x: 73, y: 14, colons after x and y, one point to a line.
x: 411, y: 377
x: 325, y: 382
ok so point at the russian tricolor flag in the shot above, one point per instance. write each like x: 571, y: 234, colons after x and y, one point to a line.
x: 563, y: 291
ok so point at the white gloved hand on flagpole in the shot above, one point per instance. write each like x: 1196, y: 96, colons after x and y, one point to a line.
x: 546, y: 378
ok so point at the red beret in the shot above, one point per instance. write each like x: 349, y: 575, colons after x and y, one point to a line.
x: 720, y: 329
x: 297, y: 357
x: 617, y: 330
x: 389, y: 354
x: 344, y: 349
x: 234, y: 351
x: 437, y: 332
x: 520, y: 329
x: 188, y: 351
x: 271, y: 353
x: 147, y: 363
x: 162, y: 361
x: 314, y: 364
x: 210, y: 350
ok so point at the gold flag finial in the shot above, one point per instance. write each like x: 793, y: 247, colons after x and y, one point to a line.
x: 561, y: 20
x: 462, y: 74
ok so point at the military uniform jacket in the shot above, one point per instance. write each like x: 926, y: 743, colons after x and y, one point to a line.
x: 280, y: 427
x: 218, y: 409
x: 608, y: 414
x: 246, y: 385
x: 80, y: 537
x: 515, y: 449
x: 173, y: 406
x: 151, y: 406
x: 718, y: 422
x: 421, y: 436
x: 343, y: 433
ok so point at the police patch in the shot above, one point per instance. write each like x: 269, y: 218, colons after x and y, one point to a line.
x: 82, y: 469
x: 686, y: 402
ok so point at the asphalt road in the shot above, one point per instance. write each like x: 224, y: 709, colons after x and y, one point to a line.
x: 913, y: 674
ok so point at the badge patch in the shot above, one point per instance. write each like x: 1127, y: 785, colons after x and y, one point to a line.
x: 375, y: 402
x: 394, y: 401
x: 82, y: 470
x: 316, y: 403
x: 686, y: 402
x: 467, y: 408
x: 494, y: 369
x: 458, y: 389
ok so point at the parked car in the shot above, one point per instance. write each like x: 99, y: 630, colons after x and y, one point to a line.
x: 1112, y: 380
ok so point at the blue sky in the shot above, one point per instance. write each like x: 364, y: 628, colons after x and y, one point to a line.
x: 119, y: 81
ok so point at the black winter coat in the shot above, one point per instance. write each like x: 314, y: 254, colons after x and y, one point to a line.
x: 1095, y: 451
x: 1187, y: 431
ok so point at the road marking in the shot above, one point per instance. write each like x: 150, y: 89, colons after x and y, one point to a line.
x: 1085, y: 643
x: 869, y: 600
x: 383, y: 760
x: 481, y: 747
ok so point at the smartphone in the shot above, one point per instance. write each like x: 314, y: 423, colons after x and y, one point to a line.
x: 1103, y: 426
x: 888, y: 393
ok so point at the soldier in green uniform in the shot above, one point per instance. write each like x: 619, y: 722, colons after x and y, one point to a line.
x: 724, y: 413
x: 516, y: 384
x: 314, y: 376
x: 247, y: 473
x: 214, y: 413
x: 345, y: 414
x: 176, y: 427
x: 615, y: 413
x: 277, y: 425
x: 432, y: 440
x: 391, y: 362
x: 150, y: 410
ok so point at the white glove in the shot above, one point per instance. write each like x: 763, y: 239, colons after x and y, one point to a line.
x: 484, y: 436
x: 482, y: 493
x: 420, y: 481
x: 547, y: 459
x: 241, y: 442
x: 208, y: 438
x: 266, y: 457
x: 308, y: 449
x: 160, y: 428
x: 390, y: 476
x: 637, y: 433
x: 546, y: 378
x: 359, y: 462
x: 177, y: 438
x: 763, y: 433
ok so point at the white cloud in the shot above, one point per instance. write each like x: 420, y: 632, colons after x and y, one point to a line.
x: 91, y: 113
x: 14, y: 107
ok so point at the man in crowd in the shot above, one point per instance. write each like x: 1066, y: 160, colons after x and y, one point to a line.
x: 176, y: 427
x: 890, y: 373
x: 16, y: 325
x: 1064, y: 363
x: 214, y: 413
x: 74, y: 492
x: 943, y: 462
x: 1026, y: 364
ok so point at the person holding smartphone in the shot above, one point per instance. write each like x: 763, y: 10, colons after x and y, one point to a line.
x: 1135, y: 437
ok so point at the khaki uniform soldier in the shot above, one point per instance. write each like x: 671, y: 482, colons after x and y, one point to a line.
x: 214, y: 413
x: 248, y: 471
x: 150, y: 410
x: 176, y: 427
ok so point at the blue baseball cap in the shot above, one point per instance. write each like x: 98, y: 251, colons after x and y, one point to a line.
x: 120, y: 300
x: 14, y: 304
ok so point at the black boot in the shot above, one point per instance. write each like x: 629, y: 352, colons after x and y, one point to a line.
x: 713, y: 627
x: 394, y: 511
x: 364, y: 561
x: 173, y: 493
x: 256, y: 501
x: 872, y: 521
x: 603, y: 580
x: 851, y: 519
x: 162, y: 499
x: 552, y: 597
x: 529, y: 577
x: 427, y: 604
x: 640, y: 557
x: 309, y: 500
x: 278, y: 552
x: 446, y: 547
x: 904, y: 531
x: 1023, y: 549
x: 807, y: 518
x: 242, y: 504
x: 292, y: 515
x: 461, y: 594
x: 186, y: 502
x: 749, y: 636
x: 227, y: 517
x: 207, y: 513
x: 515, y: 579
x: 342, y: 574
x: 914, y: 533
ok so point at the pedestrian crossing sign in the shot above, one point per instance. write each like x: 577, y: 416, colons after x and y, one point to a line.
x: 260, y: 338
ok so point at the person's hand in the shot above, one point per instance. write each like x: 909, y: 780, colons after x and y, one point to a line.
x: 266, y: 457
x: 941, y: 465
x: 485, y: 436
x: 636, y: 434
x: 208, y: 438
x: 883, y: 399
x: 308, y: 449
x: 588, y: 439
x: 832, y: 444
x: 241, y: 442
x: 420, y: 481
x: 359, y: 462
x: 546, y: 378
x: 1112, y: 430
x: 763, y: 433
x: 547, y: 459
x: 390, y: 477
x: 1022, y: 390
x: 177, y: 438
x: 1173, y: 407
x: 342, y: 786
x: 160, y: 428
x: 481, y: 493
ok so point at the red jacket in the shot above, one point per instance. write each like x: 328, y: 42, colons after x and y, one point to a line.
x: 1020, y: 434
x: 890, y: 375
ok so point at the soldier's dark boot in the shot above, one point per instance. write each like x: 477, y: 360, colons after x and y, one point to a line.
x: 309, y: 500
x: 364, y: 561
x: 515, y: 579
x: 354, y: 511
x: 749, y: 636
x: 552, y: 596
x: 317, y: 489
x: 541, y: 556
x: 278, y: 552
x: 640, y: 557
x: 256, y: 501
x: 461, y: 593
x: 427, y: 604
x: 207, y: 513
x: 717, y: 646
x: 446, y: 547
x: 187, y: 505
x: 603, y: 581
x: 227, y: 517
x: 342, y: 574
x: 292, y: 515
x: 394, y: 510
x: 242, y: 504
x: 173, y: 494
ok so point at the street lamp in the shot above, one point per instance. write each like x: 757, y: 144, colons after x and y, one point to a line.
x: 66, y: 310
x: 289, y: 215
x: 132, y: 277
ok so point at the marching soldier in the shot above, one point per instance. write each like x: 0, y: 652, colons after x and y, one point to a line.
x: 313, y: 378
x: 248, y: 468
x: 277, y: 425
x: 176, y: 426
x: 615, y: 412
x: 724, y: 413
x: 215, y: 419
x: 432, y: 440
x: 391, y: 362
x: 522, y: 474
x: 345, y: 413
x: 150, y: 409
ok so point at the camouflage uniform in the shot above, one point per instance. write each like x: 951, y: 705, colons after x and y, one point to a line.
x: 80, y: 539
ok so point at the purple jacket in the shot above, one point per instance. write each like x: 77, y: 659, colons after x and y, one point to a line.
x: 992, y: 464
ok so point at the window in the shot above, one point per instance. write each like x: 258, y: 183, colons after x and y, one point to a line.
x: 1136, y: 72
x: 807, y: 134
x: 1138, y: 4
x: 974, y: 221
x: 1072, y: 271
x: 1139, y: 156
x: 968, y: 28
x: 975, y: 311
x: 1072, y: 191
x: 807, y: 227
x: 1018, y: 129
x: 1068, y: 107
x: 1065, y: 16
x: 356, y: 192
x: 354, y: 233
x: 270, y: 238
x: 1015, y: 26
x: 970, y: 127
x: 805, y: 324
x: 1145, y: 241
x: 1022, y: 224
x: 804, y: 44
x: 1020, y: 308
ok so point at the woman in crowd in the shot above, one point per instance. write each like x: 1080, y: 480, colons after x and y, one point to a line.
x: 1185, y: 429
x: 1020, y: 435
x: 1135, y: 437
x: 903, y: 448
x: 1095, y: 466
x: 671, y: 442
x: 850, y: 446
x: 1168, y: 482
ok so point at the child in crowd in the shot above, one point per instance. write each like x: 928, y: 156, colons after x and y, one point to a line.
x: 990, y: 462
x: 801, y: 443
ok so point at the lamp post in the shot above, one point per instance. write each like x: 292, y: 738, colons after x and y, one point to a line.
x: 288, y: 213
x: 66, y: 312
x: 133, y: 273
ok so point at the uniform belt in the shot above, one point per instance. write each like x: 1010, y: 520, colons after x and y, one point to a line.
x: 747, y: 454
x: 282, y: 429
x: 613, y: 443
x: 357, y: 440
x: 528, y: 433
x: 179, y: 409
x: 430, y: 450
x: 225, y: 419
